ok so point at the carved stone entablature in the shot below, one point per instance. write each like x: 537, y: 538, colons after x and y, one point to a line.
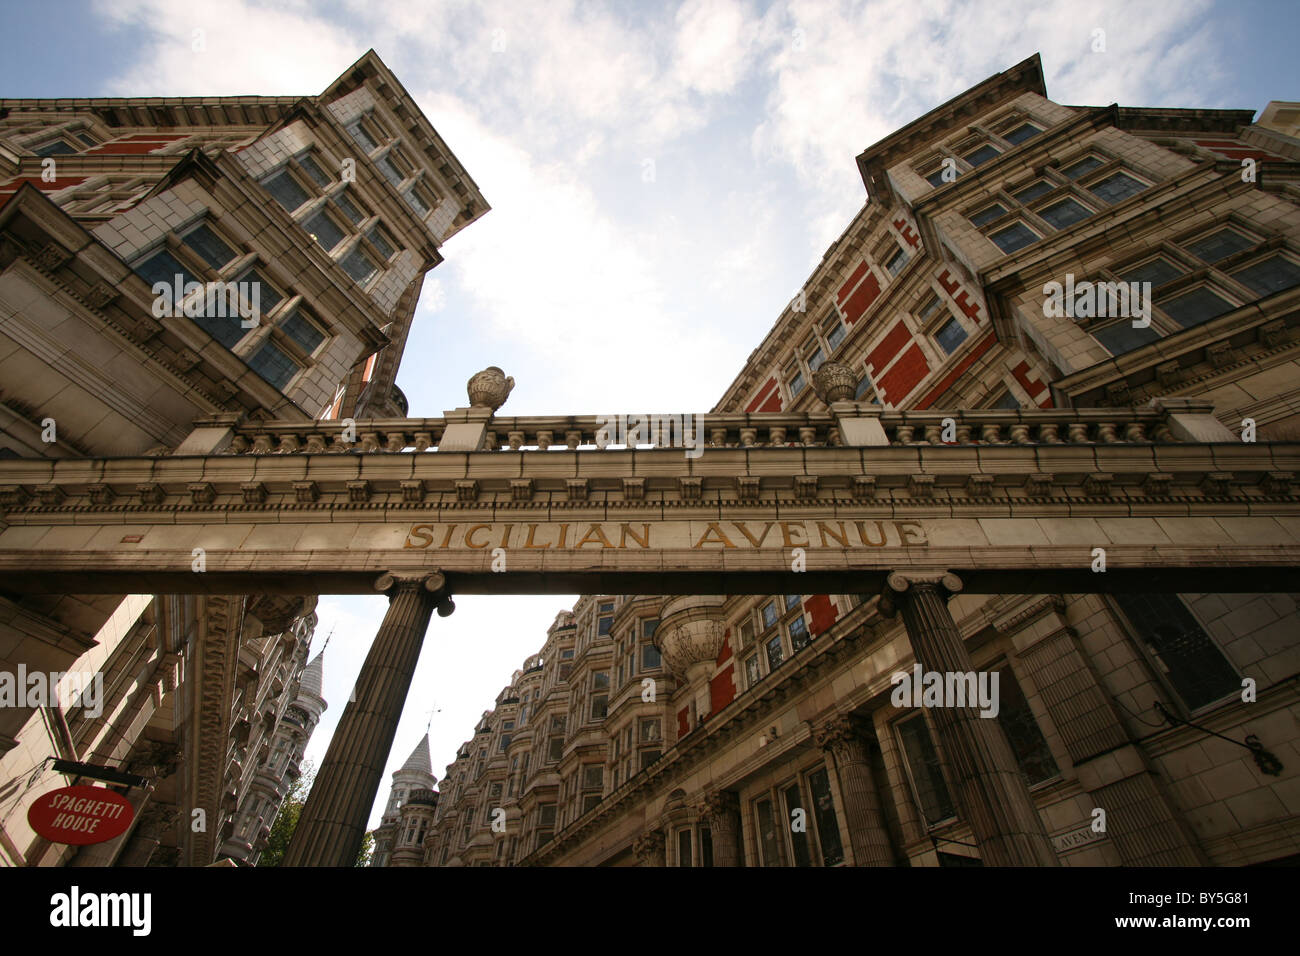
x: 51, y: 256
x: 578, y: 489
x: 254, y: 492
x: 920, y: 486
x: 50, y: 496
x: 101, y: 494
x: 979, y: 486
x: 306, y: 492
x: 466, y: 489
x: 690, y: 488
x: 805, y: 486
x: 1039, y: 485
x: 1278, y: 482
x: 13, y: 496
x: 413, y: 489
x: 358, y: 491
x: 202, y: 493
x: 100, y: 294
x: 634, y: 489
x: 1098, y: 485
x: 150, y: 492
x: 1271, y: 333
x: 864, y: 487
x: 747, y: 487
x: 1217, y: 483
x: 1157, y: 484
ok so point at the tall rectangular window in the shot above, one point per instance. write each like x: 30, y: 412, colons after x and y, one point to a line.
x: 769, y: 840
x: 923, y: 764
x: 798, y: 835
x: 828, y: 828
x: 1022, y: 730
x: 1187, y: 655
x: 683, y: 847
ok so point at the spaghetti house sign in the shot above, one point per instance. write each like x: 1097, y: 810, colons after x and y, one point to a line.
x: 80, y: 815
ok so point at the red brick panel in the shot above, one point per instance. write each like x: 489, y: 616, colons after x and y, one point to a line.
x: 683, y: 722
x: 11, y: 187
x: 906, y: 374
x: 845, y: 289
x: 131, y: 145
x: 722, y: 689
x: 861, y: 300
x: 767, y: 400
x: 823, y: 611
x: 905, y: 230
x: 725, y: 654
x: 889, y: 346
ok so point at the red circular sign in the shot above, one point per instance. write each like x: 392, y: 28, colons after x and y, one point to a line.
x: 80, y: 815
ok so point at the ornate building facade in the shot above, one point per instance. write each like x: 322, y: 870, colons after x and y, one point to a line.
x: 401, y: 831
x: 170, y: 267
x: 1129, y: 728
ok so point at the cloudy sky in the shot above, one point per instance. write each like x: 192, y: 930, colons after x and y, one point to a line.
x: 663, y: 178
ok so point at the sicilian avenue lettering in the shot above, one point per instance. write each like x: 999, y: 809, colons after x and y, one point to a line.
x: 645, y: 535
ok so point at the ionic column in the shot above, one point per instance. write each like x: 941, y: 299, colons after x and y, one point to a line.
x: 650, y: 848
x: 867, y: 832
x: 333, y: 821
x: 720, y: 809
x: 992, y: 794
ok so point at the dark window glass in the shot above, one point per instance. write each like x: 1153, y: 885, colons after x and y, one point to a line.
x: 303, y: 332
x: 1026, y: 739
x: 1193, y: 308
x: 791, y: 600
x: 796, y: 384
x: 988, y: 214
x: 268, y: 298
x: 751, y: 671
x: 774, y: 653
x: 1014, y: 237
x: 358, y: 133
x: 345, y: 203
x: 650, y: 656
x: 834, y: 330
x: 1123, y: 337
x: 603, y: 625
x: 323, y: 229
x: 706, y: 846
x: 923, y: 761
x: 555, y: 748
x: 312, y: 168
x: 1034, y: 190
x: 1117, y: 187
x: 285, y: 190
x: 648, y: 757
x: 1220, y: 245
x: 799, y: 835
x: 273, y: 365
x: 377, y: 239
x: 416, y: 202
x: 55, y: 147
x: 865, y: 388
x: 599, y: 706
x: 390, y: 170
x: 828, y: 829
x: 209, y: 247
x: 1082, y: 167
x: 1157, y: 272
x: 1271, y: 275
x: 950, y: 336
x: 1190, y: 660
x: 982, y: 155
x: 358, y: 265
x: 226, y: 329
x: 1024, y: 131
x: 683, y: 847
x: 768, y: 838
x: 162, y: 266
x: 798, y: 633
x: 1065, y: 213
x: 896, y: 262
x: 936, y: 179
x: 815, y: 359
x: 769, y: 614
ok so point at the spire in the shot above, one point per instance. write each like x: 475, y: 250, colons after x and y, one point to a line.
x: 420, y: 760
x: 313, y: 676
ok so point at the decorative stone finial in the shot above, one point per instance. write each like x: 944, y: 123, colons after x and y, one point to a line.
x: 834, y: 382
x: 489, y: 388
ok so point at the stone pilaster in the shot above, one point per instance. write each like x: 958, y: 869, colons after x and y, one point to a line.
x: 861, y: 801
x: 990, y: 790
x: 650, y: 848
x: 333, y: 821
x: 720, y: 809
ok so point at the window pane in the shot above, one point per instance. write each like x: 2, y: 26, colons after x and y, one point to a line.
x: 303, y: 332
x: 1190, y: 659
x: 923, y: 761
x: 683, y: 847
x: 1015, y: 236
x: 209, y: 247
x: 322, y: 228
x: 1021, y: 133
x: 1082, y: 167
x: 650, y: 656
x: 54, y: 148
x: 1193, y: 308
x: 834, y: 331
x: 1117, y: 187
x: 982, y: 155
x: 1157, y: 272
x: 603, y: 625
x: 390, y: 170
x: 798, y: 633
x: 1034, y: 190
x: 950, y: 336
x: 796, y: 384
x: 769, y: 614
x: 358, y: 265
x: 312, y: 168
x: 930, y: 307
x: 416, y: 202
x: 1022, y: 730
x: 791, y: 600
x: 936, y: 179
x: 828, y: 829
x: 268, y: 298
x: 1123, y: 337
x: 864, y: 389
x: 273, y: 365
x: 985, y: 216
x: 752, y: 674
x: 379, y: 242
x: 1065, y: 213
x: 162, y: 266
x: 774, y: 653
x: 1006, y: 401
x: 358, y: 132
x: 798, y: 837
x: 285, y: 190
x: 345, y: 203
x: 815, y: 359
x: 769, y: 840
x: 897, y: 262
x: 1220, y: 245
x: 1271, y: 275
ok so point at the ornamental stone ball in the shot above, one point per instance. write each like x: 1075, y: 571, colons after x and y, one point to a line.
x: 489, y: 388
x: 834, y: 382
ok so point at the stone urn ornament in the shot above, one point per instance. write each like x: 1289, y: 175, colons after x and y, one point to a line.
x: 489, y: 388
x: 834, y: 382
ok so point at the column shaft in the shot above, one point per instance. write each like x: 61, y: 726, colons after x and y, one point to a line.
x: 333, y: 821
x: 867, y: 832
x: 990, y: 790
